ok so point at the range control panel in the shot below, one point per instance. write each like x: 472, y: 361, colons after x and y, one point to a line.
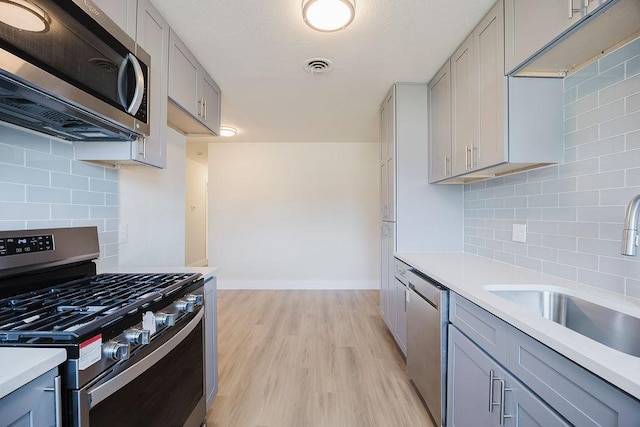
x: 27, y: 244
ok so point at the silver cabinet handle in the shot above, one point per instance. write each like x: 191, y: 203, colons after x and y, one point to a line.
x: 474, y: 156
x: 468, y: 157
x: 503, y: 415
x: 204, y: 102
x: 57, y: 399
x: 445, y: 166
x: 492, y: 379
x: 572, y: 10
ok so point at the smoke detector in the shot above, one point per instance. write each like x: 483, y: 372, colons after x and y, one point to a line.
x: 318, y: 65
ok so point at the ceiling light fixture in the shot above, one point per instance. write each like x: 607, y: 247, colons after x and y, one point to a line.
x: 228, y: 131
x: 328, y: 15
x: 24, y: 15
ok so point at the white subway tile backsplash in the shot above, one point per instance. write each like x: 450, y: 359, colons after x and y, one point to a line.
x: 103, y: 185
x: 601, y: 181
x: 581, y: 106
x: 41, y: 186
x: 14, y: 211
x: 73, y: 182
x: 601, y: 214
x: 12, y: 192
x: 47, y: 195
x: 59, y: 211
x: 600, y: 280
x: 104, y: 212
x: 580, y: 237
x: 12, y: 155
x: 601, y: 148
x: 601, y: 80
x: 513, y: 202
x: 619, y: 162
x: 582, y: 136
x: 38, y: 160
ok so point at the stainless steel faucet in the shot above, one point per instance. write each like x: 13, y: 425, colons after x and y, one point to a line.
x: 630, y: 232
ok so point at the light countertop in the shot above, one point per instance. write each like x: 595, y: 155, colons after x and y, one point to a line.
x: 467, y: 275
x: 21, y: 365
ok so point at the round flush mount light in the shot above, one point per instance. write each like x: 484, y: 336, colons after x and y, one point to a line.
x: 24, y: 15
x: 228, y: 131
x: 328, y: 15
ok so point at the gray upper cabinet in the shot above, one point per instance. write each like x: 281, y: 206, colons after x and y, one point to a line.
x: 194, y: 96
x: 499, y: 124
x: 387, y: 157
x: 555, y: 37
x: 531, y: 25
x: 462, y: 104
x: 153, y: 36
x: 152, y: 33
x: 122, y: 12
x: 440, y: 124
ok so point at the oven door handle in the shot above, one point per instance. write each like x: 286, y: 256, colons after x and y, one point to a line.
x: 101, y: 392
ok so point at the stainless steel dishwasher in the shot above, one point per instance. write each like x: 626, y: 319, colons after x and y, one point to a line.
x: 427, y: 318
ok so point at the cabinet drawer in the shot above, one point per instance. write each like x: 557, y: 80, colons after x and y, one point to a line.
x: 580, y: 396
x: 485, y: 329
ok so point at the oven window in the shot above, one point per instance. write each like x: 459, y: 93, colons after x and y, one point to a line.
x: 164, y: 395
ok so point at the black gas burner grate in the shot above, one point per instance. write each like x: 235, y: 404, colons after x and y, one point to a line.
x: 76, y: 308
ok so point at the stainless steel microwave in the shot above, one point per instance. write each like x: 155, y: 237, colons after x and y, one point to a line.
x: 67, y: 70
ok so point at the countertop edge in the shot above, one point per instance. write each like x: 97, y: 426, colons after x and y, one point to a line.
x: 451, y: 270
x: 26, y: 364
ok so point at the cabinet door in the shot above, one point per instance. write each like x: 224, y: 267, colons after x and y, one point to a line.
x: 153, y: 36
x: 525, y: 409
x: 391, y: 289
x: 183, y: 76
x: 387, y: 127
x: 384, y: 191
x: 122, y: 12
x: 211, y: 98
x: 383, y: 133
x: 31, y: 405
x: 384, y: 272
x: 401, y: 316
x: 488, y: 38
x: 440, y: 124
x: 391, y: 190
x: 531, y: 25
x: 463, y: 120
x: 473, y: 393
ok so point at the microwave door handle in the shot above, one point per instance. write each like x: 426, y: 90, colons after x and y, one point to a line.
x: 139, y: 91
x: 131, y: 107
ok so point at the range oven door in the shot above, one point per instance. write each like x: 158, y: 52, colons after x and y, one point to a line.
x: 165, y: 388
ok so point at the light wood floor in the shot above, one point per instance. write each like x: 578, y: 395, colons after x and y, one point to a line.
x: 309, y: 359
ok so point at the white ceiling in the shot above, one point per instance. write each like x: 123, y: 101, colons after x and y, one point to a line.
x: 256, y: 49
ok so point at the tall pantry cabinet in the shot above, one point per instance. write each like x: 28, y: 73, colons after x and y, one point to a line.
x: 415, y: 215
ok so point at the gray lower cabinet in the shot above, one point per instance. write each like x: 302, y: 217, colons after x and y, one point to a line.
x: 36, y: 404
x: 494, y: 367
x: 400, y: 332
x: 211, y: 340
x: 482, y: 393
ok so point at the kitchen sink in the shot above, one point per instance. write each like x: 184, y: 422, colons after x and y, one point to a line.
x: 607, y: 326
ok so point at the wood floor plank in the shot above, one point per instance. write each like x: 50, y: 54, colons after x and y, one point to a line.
x: 309, y: 359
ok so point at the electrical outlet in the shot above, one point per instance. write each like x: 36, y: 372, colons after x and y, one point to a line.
x: 519, y: 233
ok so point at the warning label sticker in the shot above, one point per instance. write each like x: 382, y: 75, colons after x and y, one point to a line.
x: 90, y: 352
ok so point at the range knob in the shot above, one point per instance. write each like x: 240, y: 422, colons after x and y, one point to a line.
x: 164, y: 319
x: 184, y: 306
x: 197, y: 299
x: 115, y: 350
x: 137, y: 336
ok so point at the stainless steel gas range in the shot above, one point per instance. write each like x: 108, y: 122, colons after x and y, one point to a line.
x: 134, y: 342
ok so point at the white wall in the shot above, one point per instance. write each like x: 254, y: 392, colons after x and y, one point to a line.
x: 152, y: 210
x: 196, y: 214
x: 285, y: 215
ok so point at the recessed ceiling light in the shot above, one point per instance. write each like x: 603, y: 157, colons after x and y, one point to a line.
x: 24, y: 15
x: 328, y: 15
x: 228, y: 131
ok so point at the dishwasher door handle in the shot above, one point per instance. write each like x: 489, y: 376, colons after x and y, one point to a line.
x: 433, y: 304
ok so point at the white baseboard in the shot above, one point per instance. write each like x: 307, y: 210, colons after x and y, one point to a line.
x: 295, y: 284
